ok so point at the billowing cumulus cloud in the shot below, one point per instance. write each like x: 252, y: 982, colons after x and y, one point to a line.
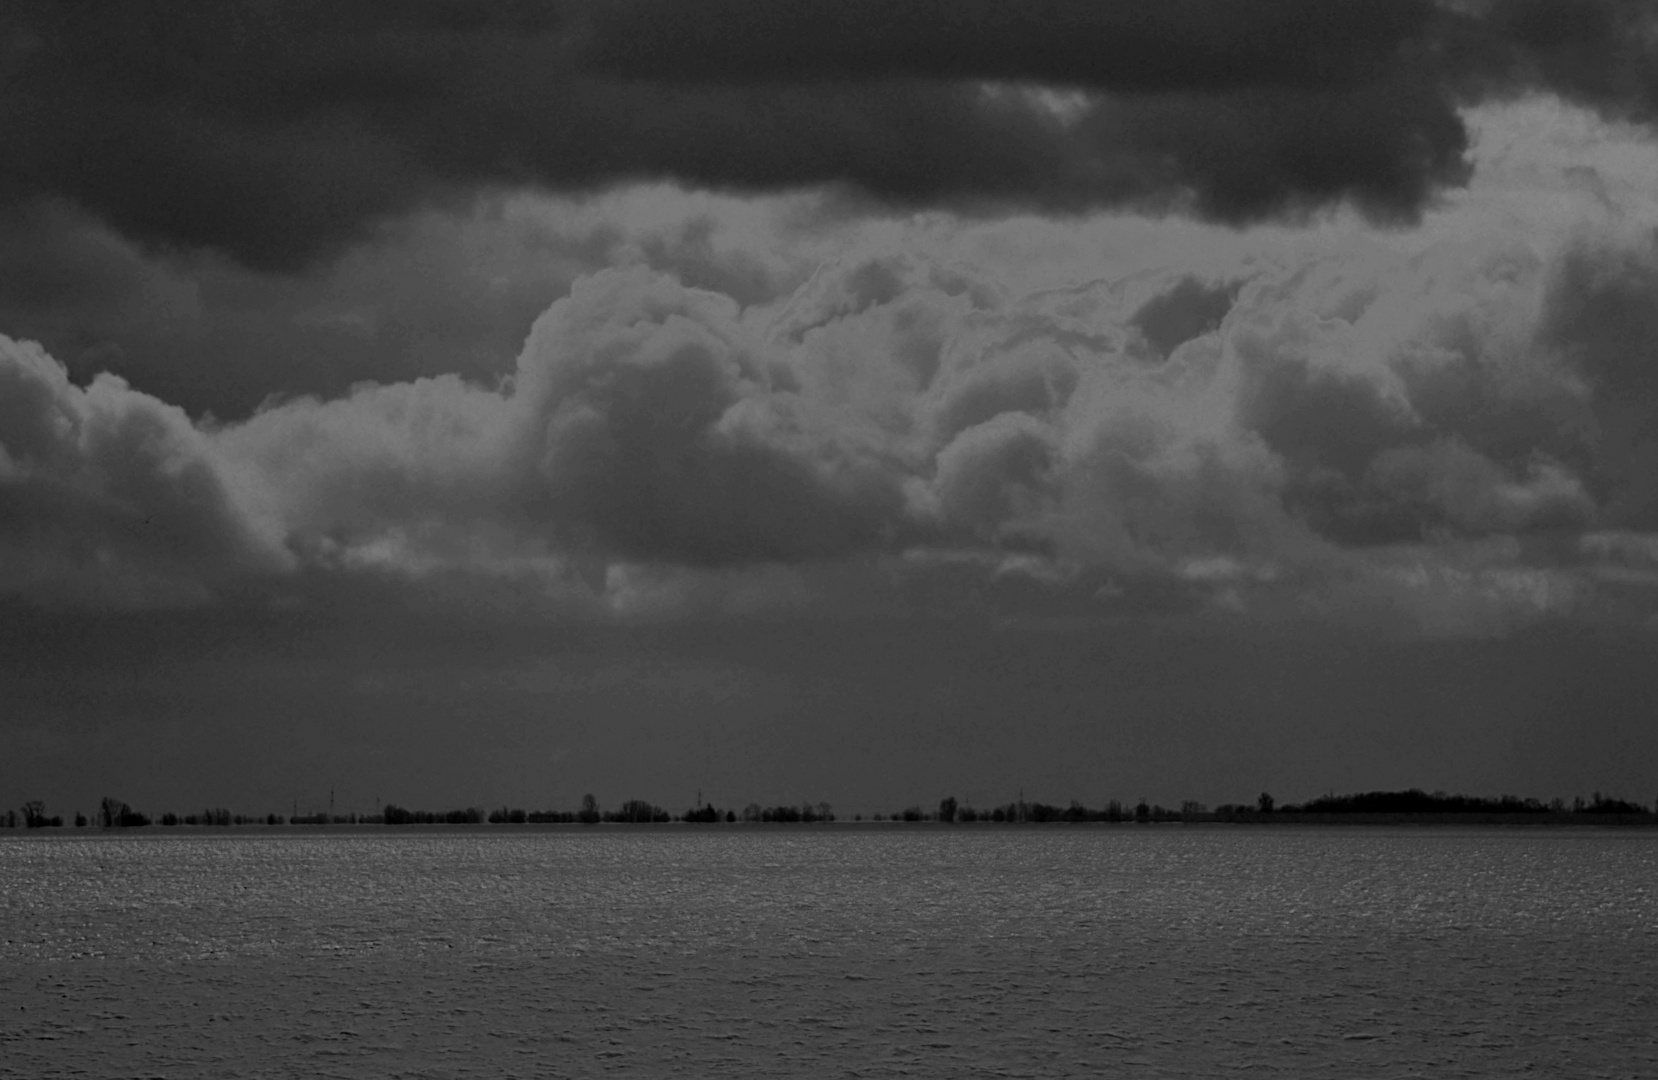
x: 1445, y: 432
x: 111, y: 497
x: 659, y: 429
x: 644, y: 424
x: 282, y: 134
x: 436, y: 294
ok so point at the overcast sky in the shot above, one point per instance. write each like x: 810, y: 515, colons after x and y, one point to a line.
x: 860, y: 401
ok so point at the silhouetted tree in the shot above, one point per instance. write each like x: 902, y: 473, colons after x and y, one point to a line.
x: 1605, y: 804
x: 639, y: 812
x: 1264, y: 803
x: 34, y: 814
x: 1038, y: 811
x: 589, y: 812
x: 947, y: 808
x: 111, y: 811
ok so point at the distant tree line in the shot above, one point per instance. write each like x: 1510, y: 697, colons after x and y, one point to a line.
x: 397, y: 815
x: 222, y: 817
x: 113, y: 813
x: 1033, y: 812
x: 34, y: 816
x: 806, y: 812
x: 1417, y: 801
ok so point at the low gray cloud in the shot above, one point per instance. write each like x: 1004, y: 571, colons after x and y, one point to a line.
x: 1602, y: 314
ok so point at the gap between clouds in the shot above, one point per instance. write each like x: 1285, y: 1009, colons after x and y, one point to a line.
x: 1460, y: 440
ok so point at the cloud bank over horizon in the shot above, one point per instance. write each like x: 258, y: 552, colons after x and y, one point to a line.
x: 1455, y: 440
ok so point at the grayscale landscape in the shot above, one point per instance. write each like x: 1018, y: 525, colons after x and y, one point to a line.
x: 873, y: 537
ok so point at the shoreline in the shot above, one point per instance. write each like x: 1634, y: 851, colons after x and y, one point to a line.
x: 1275, y: 819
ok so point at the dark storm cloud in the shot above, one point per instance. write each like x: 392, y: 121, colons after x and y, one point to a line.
x: 1179, y: 46
x: 280, y: 132
x: 1599, y: 53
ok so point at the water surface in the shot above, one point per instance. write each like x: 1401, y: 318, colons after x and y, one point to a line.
x: 797, y: 951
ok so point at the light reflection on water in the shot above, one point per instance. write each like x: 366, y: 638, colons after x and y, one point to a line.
x: 792, y: 950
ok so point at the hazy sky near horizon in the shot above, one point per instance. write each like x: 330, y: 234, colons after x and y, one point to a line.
x: 452, y: 403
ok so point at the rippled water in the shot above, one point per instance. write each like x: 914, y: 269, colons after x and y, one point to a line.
x: 795, y: 951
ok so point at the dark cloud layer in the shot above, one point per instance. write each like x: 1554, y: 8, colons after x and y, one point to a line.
x: 1181, y: 46
x: 280, y: 133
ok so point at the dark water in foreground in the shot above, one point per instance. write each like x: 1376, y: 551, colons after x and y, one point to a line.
x: 789, y: 951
